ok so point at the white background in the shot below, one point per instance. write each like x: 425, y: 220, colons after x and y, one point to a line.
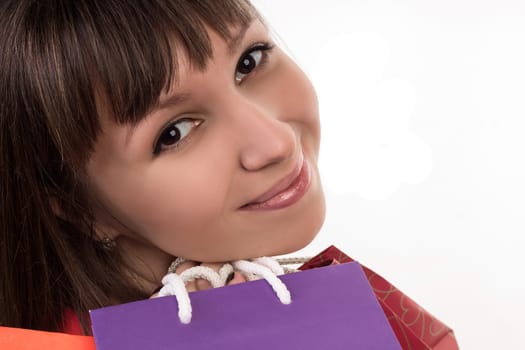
x: 423, y: 150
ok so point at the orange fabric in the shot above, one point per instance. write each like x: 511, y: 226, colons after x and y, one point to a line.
x: 26, y: 339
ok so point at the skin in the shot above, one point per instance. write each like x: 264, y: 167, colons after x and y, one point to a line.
x: 187, y: 200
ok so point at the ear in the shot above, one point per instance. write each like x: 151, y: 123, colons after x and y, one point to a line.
x: 106, y: 226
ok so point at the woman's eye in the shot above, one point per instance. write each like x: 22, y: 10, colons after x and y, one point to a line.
x: 250, y: 60
x: 174, y: 133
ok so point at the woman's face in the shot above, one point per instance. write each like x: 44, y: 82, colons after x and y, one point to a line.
x: 225, y: 166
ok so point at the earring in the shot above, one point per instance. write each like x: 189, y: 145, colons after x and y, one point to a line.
x: 108, y: 243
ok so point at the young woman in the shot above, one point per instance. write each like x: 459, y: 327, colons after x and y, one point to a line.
x: 132, y: 133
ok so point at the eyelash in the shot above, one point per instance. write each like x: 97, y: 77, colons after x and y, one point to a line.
x: 157, y: 148
x: 264, y: 48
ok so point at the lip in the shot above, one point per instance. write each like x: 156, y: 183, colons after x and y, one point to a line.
x: 285, y: 192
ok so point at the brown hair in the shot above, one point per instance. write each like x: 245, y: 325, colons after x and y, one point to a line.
x: 57, y: 57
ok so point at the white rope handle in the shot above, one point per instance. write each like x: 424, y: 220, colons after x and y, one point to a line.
x: 174, y: 285
x: 203, y: 272
x: 267, y: 268
x: 270, y: 263
x: 278, y: 286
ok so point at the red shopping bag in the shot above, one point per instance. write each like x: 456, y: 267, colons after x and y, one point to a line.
x: 415, y: 328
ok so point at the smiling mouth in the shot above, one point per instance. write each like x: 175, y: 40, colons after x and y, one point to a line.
x: 285, y: 193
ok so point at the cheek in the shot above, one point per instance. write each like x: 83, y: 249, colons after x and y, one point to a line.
x: 305, y: 106
x: 292, y: 95
x: 302, y: 99
x: 181, y: 197
x: 176, y: 204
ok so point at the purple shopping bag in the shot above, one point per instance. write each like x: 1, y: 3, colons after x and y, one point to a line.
x: 332, y: 308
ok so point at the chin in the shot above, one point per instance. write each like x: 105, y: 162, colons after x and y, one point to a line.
x: 304, y: 239
x: 303, y: 234
x: 286, y: 237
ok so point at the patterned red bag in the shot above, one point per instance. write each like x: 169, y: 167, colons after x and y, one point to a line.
x: 414, y: 327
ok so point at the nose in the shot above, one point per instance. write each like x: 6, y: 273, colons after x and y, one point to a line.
x: 264, y: 138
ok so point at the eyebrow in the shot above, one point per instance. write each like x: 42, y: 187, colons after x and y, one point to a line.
x: 170, y: 101
x: 233, y: 46
x: 236, y: 40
